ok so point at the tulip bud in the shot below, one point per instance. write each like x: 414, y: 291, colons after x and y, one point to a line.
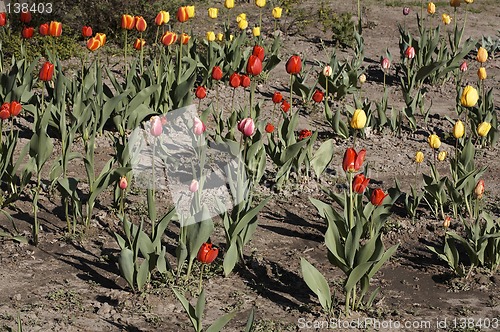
x: 442, y: 155
x: 234, y: 80
x: 406, y: 11
x: 207, y: 254
x: 277, y: 12
x: 260, y: 3
x: 327, y: 71
x: 156, y: 126
x: 86, y: 31
x: 463, y: 67
x: 285, y: 106
x: 377, y: 197
x: 481, y: 73
x: 168, y: 38
x: 210, y: 36
x: 362, y: 78
x: 259, y: 52
x: 410, y: 52
x: 482, y: 55
x: 359, y: 183
x: 128, y: 22
x: 229, y: 4
x: 245, y: 81
x: 254, y: 65
x: 294, y: 65
x: 27, y: 32
x: 479, y: 190
x: 434, y: 141
x: 246, y: 127
x: 256, y: 31
x: 419, y: 157
x: 277, y: 97
x: 318, y: 96
x: 139, y: 43
x: 183, y: 14
x: 194, y: 186
x: 353, y: 161
x: 431, y: 8
x: 269, y: 128
x: 447, y: 222
x: 198, y: 126
x: 241, y: 17
x: 184, y: 40
x: 216, y: 73
x: 123, y: 184
x: 201, y: 92
x: 469, y: 97
x: 213, y: 12
x: 446, y: 19
x: 358, y: 120
x: 458, y: 129
x: 385, y: 63
x: 483, y: 129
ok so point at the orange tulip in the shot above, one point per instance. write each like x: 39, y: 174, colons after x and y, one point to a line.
x: 86, y: 31
x: 139, y: 43
x: 168, y: 38
x: 185, y: 38
x: 182, y: 14
x: 55, y: 29
x: 162, y: 18
x: 140, y: 24
x: 101, y: 37
x: 128, y: 22
x: 93, y: 44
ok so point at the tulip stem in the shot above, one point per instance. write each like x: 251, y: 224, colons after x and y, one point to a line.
x: 291, y: 91
x: 359, y: 17
x: 351, y: 211
x: 201, y: 278
x: 125, y: 51
x: 142, y: 54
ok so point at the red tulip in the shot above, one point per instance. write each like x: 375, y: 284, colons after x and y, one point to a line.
x: 352, y: 161
x: 410, y: 52
x: 304, y: 133
x: 234, y: 80
x: 5, y: 111
x: 254, y: 65
x: 27, y: 32
x: 377, y: 197
x: 169, y: 38
x: 216, y: 73
x: 207, y: 254
x: 140, y: 24
x: 269, y: 128
x: 55, y: 29
x: 128, y: 22
x: 86, y: 31
x: 44, y: 29
x: 25, y: 17
x: 246, y: 127
x: 285, y: 106
x: 93, y: 44
x: 201, y: 92
x: 123, y: 184
x: 15, y: 108
x: 360, y: 183
x: 277, y: 97
x: 294, y: 65
x: 182, y: 14
x: 3, y: 19
x: 139, y: 43
x: 259, y: 52
x: 318, y: 96
x: 245, y: 81
x: 46, y: 71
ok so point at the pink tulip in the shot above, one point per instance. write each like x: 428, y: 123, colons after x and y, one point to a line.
x: 198, y: 127
x: 385, y: 63
x: 194, y: 186
x: 410, y: 52
x: 156, y: 126
x: 246, y: 127
x: 123, y: 184
x: 463, y: 67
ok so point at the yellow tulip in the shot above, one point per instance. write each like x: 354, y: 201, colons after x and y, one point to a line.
x: 260, y: 3
x: 358, y: 120
x: 442, y: 155
x: 210, y: 36
x: 231, y: 37
x: 482, y: 55
x: 277, y: 12
x: 362, y: 78
x: 483, y: 129
x: 256, y: 31
x: 458, y: 129
x: 213, y: 12
x: 469, y: 1
x: 434, y: 141
x: 190, y: 11
x: 229, y: 4
x: 446, y: 19
x: 419, y: 157
x: 220, y: 36
x: 481, y: 73
x: 469, y: 96
x: 455, y: 3
x: 241, y: 17
x: 431, y: 8
x: 243, y: 24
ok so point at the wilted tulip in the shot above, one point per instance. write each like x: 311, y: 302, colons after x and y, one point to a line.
x: 234, y: 80
x: 260, y: 3
x: 358, y: 120
x: 162, y: 18
x: 86, y: 31
x: 128, y: 22
x: 168, y: 38
x: 482, y: 55
x: 213, y: 12
x: 377, y: 197
x: 27, y: 32
x: 123, y: 184
x: 254, y: 65
x: 139, y: 43
x: 294, y: 65
x: 479, y: 189
x: 352, y: 161
x: 182, y: 14
x: 481, y: 73
x: 318, y: 96
x: 469, y: 97
x: 406, y: 11
x: 277, y: 12
x: 140, y: 24
x: 207, y: 254
x: 458, y: 129
x: 483, y: 129
x: 246, y: 127
x: 269, y: 128
x: 229, y: 4
x: 419, y: 157
x: 463, y: 67
x: 442, y: 155
x: 210, y: 36
x: 156, y: 126
x: 198, y: 126
x: 446, y: 19
x: 256, y: 31
x: 327, y: 71
x: 46, y: 71
x: 201, y: 92
x: 431, y: 8
x: 304, y: 133
x: 410, y: 52
x: 194, y: 186
x: 359, y: 183
x: 216, y: 73
x: 434, y: 141
x: 277, y: 97
x: 455, y: 3
x: 93, y: 44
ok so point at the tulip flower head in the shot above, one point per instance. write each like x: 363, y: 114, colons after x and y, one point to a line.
x: 327, y: 71
x: 184, y: 40
x: 447, y: 222
x: 86, y: 31
x: 123, y: 184
x: 139, y: 43
x: 220, y: 36
x: 442, y: 155
x: 481, y: 73
x: 269, y: 128
x: 207, y: 253
x: 229, y: 4
x: 406, y: 11
x: 463, y: 67
x: 15, y: 108
x: 256, y: 31
x: 5, y: 111
x: 304, y: 133
x: 358, y: 120
x: 419, y: 157
x: 44, y: 29
x: 162, y: 18
x: 234, y: 80
x: 46, y: 72
x: 254, y: 65
x: 245, y: 81
x: 431, y: 8
x: 241, y: 17
x: 201, y: 92
x: 25, y: 17
x: 156, y: 126
x: 182, y: 14
x: 446, y: 19
x: 469, y: 96
x: 469, y: 1
x: 213, y: 12
x: 216, y: 73
x: 140, y: 24
x: 169, y: 38
x: 378, y: 196
x: 455, y: 3
x: 359, y: 183
x: 128, y: 22
x: 285, y: 106
x: 3, y: 19
x: 246, y: 127
x: 210, y: 36
x: 198, y: 126
x: 243, y: 24
x: 318, y: 96
x: 101, y: 37
x: 194, y: 186
x: 93, y: 44
x: 483, y: 129
x: 362, y: 78
x: 482, y: 55
x: 385, y: 63
x: 479, y: 189
x: 27, y: 32
x: 190, y: 11
x: 277, y: 12
x: 352, y: 161
x: 277, y: 97
x: 260, y: 3
x: 294, y: 65
x: 458, y: 129
x: 259, y: 52
x: 410, y: 52
x: 434, y: 141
